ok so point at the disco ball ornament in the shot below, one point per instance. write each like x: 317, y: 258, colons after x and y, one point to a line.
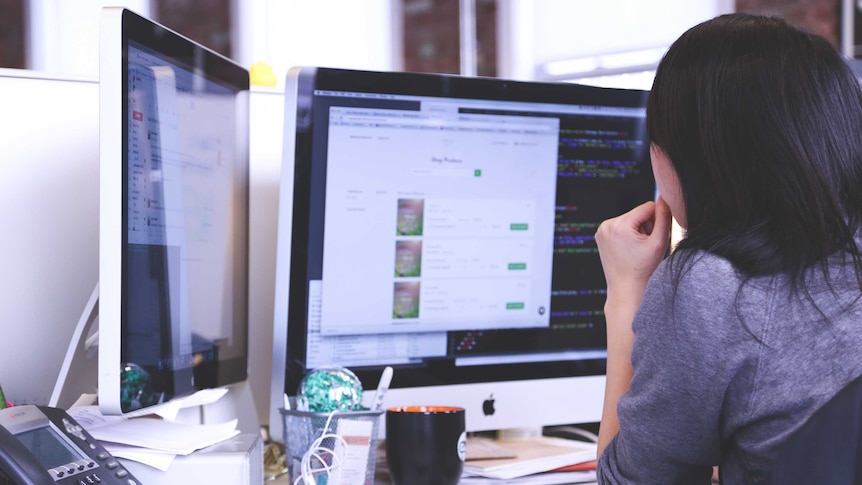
x: 136, y: 388
x: 330, y: 389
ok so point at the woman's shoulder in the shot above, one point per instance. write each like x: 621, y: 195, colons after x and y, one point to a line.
x: 692, y: 281
x: 703, y: 286
x: 699, y: 271
x: 697, y: 296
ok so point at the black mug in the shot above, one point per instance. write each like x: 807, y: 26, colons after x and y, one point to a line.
x: 425, y: 445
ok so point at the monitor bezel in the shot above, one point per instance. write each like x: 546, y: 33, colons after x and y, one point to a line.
x: 118, y: 27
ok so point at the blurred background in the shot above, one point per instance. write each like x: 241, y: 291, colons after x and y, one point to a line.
x: 602, y: 42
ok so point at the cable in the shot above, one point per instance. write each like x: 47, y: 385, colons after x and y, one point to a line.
x: 314, y: 461
x: 569, y: 432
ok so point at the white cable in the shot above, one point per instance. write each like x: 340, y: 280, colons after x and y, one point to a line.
x: 314, y: 460
x: 574, y: 430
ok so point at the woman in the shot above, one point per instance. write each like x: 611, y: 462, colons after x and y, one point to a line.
x: 719, y: 352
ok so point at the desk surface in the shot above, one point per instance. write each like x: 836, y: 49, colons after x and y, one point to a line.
x: 381, y: 477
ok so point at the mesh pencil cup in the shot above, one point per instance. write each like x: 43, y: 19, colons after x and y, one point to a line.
x: 356, y: 451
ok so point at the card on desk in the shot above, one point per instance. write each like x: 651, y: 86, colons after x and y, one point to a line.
x: 487, y: 449
x: 533, y: 455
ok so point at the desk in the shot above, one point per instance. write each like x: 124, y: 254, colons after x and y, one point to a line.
x: 381, y: 477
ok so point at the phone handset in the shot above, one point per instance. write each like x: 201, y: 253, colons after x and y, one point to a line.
x: 44, y: 445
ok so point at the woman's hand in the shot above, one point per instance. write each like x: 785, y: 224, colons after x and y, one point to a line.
x: 632, y: 245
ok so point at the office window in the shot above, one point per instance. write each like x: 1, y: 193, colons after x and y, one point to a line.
x: 822, y: 17
x: 204, y: 21
x: 432, y: 36
x: 12, y: 34
x: 486, y: 37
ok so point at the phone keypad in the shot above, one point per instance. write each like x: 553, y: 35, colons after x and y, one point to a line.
x: 70, y: 469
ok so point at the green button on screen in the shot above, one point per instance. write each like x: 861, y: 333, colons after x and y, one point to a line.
x: 518, y: 226
x: 514, y: 266
x: 515, y: 305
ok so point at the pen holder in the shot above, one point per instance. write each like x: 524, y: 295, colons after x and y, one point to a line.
x: 356, y: 461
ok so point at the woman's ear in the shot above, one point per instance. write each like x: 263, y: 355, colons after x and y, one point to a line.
x: 668, y: 183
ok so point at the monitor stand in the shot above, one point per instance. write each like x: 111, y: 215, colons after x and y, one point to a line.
x: 79, y: 375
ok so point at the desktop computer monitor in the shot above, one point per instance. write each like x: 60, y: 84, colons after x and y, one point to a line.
x: 174, y: 190
x: 444, y: 226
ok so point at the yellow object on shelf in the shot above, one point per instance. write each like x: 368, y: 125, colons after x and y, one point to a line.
x: 262, y: 74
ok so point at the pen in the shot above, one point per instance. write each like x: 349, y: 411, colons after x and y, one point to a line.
x: 382, y: 387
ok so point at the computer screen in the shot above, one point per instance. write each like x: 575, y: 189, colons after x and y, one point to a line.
x: 174, y: 189
x: 444, y: 226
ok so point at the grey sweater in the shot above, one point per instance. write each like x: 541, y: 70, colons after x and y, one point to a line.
x: 723, y: 373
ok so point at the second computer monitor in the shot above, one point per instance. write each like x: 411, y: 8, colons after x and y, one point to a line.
x: 174, y: 190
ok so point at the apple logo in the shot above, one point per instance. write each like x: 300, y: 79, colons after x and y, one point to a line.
x: 488, y: 406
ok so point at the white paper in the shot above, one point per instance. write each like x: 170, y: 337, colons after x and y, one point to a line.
x: 156, y: 459
x: 170, y: 409
x: 158, y: 434
x: 90, y: 418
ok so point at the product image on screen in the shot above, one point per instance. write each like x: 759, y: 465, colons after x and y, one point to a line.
x: 445, y: 226
x: 174, y: 222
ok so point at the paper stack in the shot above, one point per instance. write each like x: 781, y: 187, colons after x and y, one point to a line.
x: 153, y: 439
x: 534, y: 456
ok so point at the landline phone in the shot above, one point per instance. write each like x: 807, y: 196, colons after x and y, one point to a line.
x: 41, y: 445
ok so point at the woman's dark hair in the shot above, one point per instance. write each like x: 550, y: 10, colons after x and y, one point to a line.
x: 763, y: 125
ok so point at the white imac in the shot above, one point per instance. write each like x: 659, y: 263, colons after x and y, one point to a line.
x: 444, y: 226
x: 174, y: 220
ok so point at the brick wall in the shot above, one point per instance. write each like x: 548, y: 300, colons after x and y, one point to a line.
x: 432, y: 36
x: 819, y: 16
x: 204, y: 21
x: 12, y: 33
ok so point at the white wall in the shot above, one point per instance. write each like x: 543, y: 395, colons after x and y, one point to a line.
x: 49, y: 210
x: 64, y: 35
x: 351, y: 34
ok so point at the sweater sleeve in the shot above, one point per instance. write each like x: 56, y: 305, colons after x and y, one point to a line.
x: 670, y: 417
